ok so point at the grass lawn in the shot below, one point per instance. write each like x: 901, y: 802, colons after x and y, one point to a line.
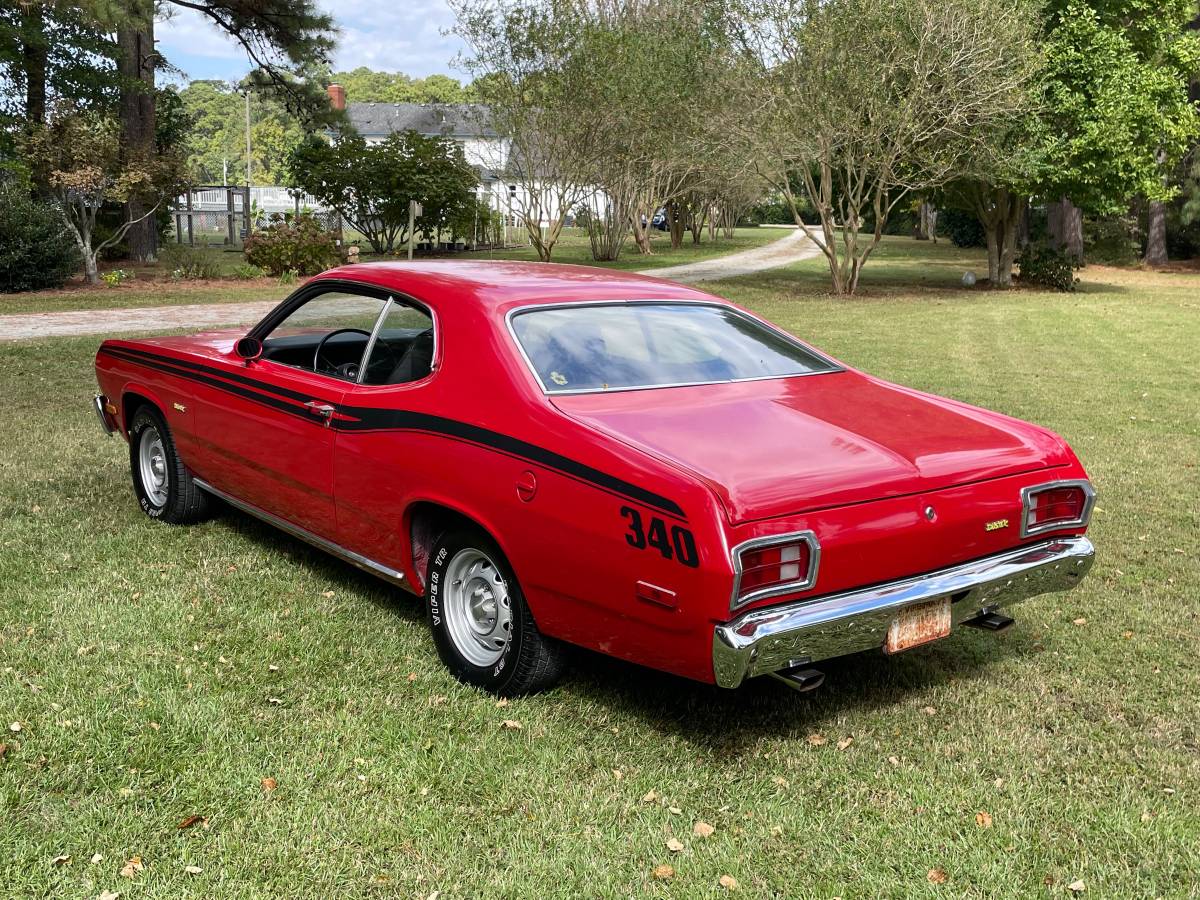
x: 152, y: 286
x: 160, y: 673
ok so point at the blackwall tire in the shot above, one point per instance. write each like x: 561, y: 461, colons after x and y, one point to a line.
x: 481, y: 625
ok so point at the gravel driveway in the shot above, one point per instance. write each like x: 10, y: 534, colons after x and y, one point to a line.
x: 788, y: 249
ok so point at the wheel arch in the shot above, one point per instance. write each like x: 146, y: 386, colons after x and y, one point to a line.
x: 426, y: 519
x: 133, y: 398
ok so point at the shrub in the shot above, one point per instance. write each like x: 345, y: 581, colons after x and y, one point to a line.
x: 1113, y: 240
x: 1047, y: 267
x: 36, y: 249
x: 292, y: 243
x: 115, y: 277
x: 186, y: 264
x: 963, y: 228
x: 247, y: 272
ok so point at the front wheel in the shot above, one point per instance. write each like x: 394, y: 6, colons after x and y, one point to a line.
x: 164, y: 487
x: 481, y: 625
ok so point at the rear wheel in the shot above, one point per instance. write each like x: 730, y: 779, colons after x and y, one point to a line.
x: 481, y: 624
x: 164, y: 487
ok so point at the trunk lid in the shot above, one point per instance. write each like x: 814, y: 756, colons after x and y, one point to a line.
x: 791, y: 445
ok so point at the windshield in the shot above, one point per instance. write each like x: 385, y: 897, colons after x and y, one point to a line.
x: 621, y: 346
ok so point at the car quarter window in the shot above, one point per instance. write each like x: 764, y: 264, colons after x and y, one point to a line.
x: 402, y: 350
x: 619, y: 346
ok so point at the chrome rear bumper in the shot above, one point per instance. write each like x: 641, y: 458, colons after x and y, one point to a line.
x: 778, y: 637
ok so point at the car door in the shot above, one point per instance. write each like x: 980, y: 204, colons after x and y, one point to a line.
x: 270, y: 428
x: 373, y: 460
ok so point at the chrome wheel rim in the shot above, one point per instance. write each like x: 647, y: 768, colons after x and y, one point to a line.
x: 152, y: 460
x: 478, y: 608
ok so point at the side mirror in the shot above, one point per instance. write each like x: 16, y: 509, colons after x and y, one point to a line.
x: 248, y: 348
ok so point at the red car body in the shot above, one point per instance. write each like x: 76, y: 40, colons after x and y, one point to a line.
x: 903, y: 492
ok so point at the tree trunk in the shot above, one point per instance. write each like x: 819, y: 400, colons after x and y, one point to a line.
x: 34, y: 54
x: 1156, y: 235
x: 675, y: 223
x: 1065, y: 222
x: 135, y: 64
x: 926, y: 226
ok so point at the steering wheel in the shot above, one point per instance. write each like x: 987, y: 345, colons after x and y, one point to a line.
x: 348, y: 370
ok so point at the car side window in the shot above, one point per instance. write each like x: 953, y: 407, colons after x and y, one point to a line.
x: 327, y: 334
x: 403, y: 346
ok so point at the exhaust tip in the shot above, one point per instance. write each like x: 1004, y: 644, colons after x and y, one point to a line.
x: 990, y: 621
x: 799, y: 678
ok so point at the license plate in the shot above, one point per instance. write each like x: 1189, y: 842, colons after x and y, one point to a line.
x: 918, y: 625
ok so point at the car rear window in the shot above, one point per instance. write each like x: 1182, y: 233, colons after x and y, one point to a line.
x: 625, y: 346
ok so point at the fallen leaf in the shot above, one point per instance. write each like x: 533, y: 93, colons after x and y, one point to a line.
x: 193, y: 870
x: 328, y: 594
x: 650, y: 797
x: 702, y: 829
x: 132, y: 867
x: 1080, y: 621
x: 269, y: 784
x: 96, y: 859
x: 663, y: 872
x: 511, y: 724
x: 999, y: 782
x: 61, y: 860
x: 501, y: 703
x: 780, y: 781
x: 618, y: 774
x: 776, y: 830
x: 14, y: 727
x: 109, y: 895
x: 3, y: 750
x: 937, y: 876
x: 1077, y: 886
x: 929, y: 710
x: 894, y: 760
x: 674, y: 845
x: 675, y: 810
x: 272, y: 668
x: 845, y: 743
x: 189, y: 822
x: 412, y: 676
x: 728, y: 882
x: 816, y: 739
x: 983, y: 819
x: 438, y: 700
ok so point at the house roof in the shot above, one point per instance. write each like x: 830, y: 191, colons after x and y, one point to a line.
x: 460, y: 120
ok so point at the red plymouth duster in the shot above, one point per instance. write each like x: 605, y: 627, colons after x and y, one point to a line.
x: 555, y: 455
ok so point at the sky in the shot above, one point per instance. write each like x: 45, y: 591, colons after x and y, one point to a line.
x: 386, y: 36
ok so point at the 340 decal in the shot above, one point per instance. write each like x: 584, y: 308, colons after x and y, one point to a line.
x: 676, y: 543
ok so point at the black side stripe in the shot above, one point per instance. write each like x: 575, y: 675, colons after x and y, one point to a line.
x: 367, y: 419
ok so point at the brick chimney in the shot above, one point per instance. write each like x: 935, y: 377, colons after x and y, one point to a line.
x: 337, y: 96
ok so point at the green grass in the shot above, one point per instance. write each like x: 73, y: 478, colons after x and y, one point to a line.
x: 152, y: 286
x: 138, y: 658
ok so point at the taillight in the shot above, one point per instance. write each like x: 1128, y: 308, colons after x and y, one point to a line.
x: 767, y: 567
x: 1060, y: 504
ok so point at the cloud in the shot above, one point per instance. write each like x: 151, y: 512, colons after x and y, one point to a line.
x: 387, y: 37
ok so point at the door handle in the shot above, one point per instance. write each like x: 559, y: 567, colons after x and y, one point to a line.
x: 324, y: 410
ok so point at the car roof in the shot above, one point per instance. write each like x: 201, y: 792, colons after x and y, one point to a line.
x: 500, y: 285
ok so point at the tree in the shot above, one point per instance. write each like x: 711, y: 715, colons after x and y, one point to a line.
x: 1099, y: 123
x: 371, y: 185
x: 525, y: 58
x: 365, y: 85
x: 79, y: 156
x: 868, y: 100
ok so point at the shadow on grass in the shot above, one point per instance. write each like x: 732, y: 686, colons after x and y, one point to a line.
x: 714, y: 720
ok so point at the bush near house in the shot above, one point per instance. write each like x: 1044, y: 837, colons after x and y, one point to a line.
x: 36, y: 250
x: 1047, y: 267
x: 292, y: 244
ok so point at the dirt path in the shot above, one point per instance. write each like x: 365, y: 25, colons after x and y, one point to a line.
x: 794, y: 247
x: 28, y: 326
